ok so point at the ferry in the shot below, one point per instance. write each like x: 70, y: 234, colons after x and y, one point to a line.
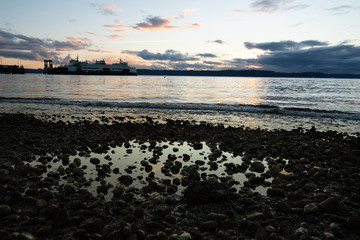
x: 77, y: 67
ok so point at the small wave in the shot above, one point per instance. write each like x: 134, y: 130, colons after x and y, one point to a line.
x: 260, y: 109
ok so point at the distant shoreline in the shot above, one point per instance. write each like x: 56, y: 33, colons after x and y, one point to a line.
x: 232, y: 73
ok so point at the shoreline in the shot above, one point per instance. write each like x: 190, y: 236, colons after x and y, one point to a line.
x: 314, y: 190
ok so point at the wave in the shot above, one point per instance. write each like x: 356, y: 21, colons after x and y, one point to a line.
x: 230, y: 108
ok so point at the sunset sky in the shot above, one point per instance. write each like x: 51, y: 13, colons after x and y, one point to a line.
x: 278, y: 35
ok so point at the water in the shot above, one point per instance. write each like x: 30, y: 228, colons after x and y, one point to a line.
x: 287, y: 103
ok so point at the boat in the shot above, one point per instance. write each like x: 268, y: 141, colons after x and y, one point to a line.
x: 77, y: 67
x: 12, y: 69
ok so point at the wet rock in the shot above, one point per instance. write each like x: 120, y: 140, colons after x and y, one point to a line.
x: 4, y: 210
x: 213, y: 166
x: 328, y: 236
x: 275, y: 192
x: 186, y: 157
x: 23, y: 236
x: 329, y: 205
x: 353, y: 223
x: 148, y: 168
x: 210, y: 191
x: 200, y: 162
x: 184, y: 236
x: 257, y: 167
x: 198, y: 146
x: 70, y: 188
x: 300, y: 232
x: 126, y: 180
x: 139, y: 212
x: 93, y: 225
x: 312, y: 209
x: 119, y: 190
x: 336, y: 229
x: 175, y: 169
x: 95, y: 161
x: 208, y: 226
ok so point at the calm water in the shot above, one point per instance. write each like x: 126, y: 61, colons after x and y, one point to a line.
x: 328, y: 104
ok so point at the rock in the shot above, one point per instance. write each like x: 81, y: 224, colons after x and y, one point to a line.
x: 70, y: 188
x: 175, y: 169
x: 95, y: 161
x: 353, y: 223
x: 200, y: 162
x: 148, y: 168
x: 283, y: 207
x: 312, y: 209
x: 184, y: 236
x: 336, y: 230
x: 329, y: 205
x: 208, y: 226
x: 93, y: 224
x: 198, y: 146
x: 275, y: 192
x: 23, y: 236
x: 300, y: 231
x: 328, y: 236
x: 4, y: 210
x: 209, y: 191
x: 213, y: 166
x: 257, y: 167
x: 139, y: 212
x: 119, y: 190
x: 126, y: 180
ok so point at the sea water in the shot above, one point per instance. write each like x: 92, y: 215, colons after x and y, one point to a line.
x: 271, y: 103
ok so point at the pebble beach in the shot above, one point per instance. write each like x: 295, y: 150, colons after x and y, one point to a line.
x: 62, y: 180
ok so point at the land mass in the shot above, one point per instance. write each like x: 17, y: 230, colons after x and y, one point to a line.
x: 232, y: 73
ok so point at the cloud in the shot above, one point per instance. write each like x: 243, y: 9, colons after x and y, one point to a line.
x: 62, y: 60
x: 90, y: 33
x: 269, y: 6
x: 117, y: 27
x: 188, y: 11
x: 169, y: 55
x: 343, y: 9
x: 106, y: 9
x: 206, y: 55
x: 217, y: 41
x: 130, y: 52
x: 288, y: 56
x: 283, y: 45
x: 30, y: 48
x: 156, y: 23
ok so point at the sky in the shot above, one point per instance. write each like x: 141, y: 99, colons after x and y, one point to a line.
x: 276, y: 35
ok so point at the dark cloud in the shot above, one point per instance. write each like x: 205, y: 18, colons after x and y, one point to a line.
x: 284, y: 45
x: 207, y: 55
x: 156, y: 23
x: 269, y: 6
x: 217, y: 41
x: 169, y: 55
x: 30, y: 48
x: 343, y: 9
x: 298, y: 57
x: 275, y: 5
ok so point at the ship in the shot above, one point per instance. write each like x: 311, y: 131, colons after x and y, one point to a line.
x: 12, y: 69
x: 77, y: 67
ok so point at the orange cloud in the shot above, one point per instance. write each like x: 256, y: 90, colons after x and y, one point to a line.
x: 116, y: 27
x: 188, y: 11
x: 90, y: 33
x: 72, y: 39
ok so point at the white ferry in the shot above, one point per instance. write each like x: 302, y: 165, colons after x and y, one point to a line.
x: 77, y: 67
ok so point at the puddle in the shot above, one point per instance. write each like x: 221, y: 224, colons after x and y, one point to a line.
x: 131, y: 159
